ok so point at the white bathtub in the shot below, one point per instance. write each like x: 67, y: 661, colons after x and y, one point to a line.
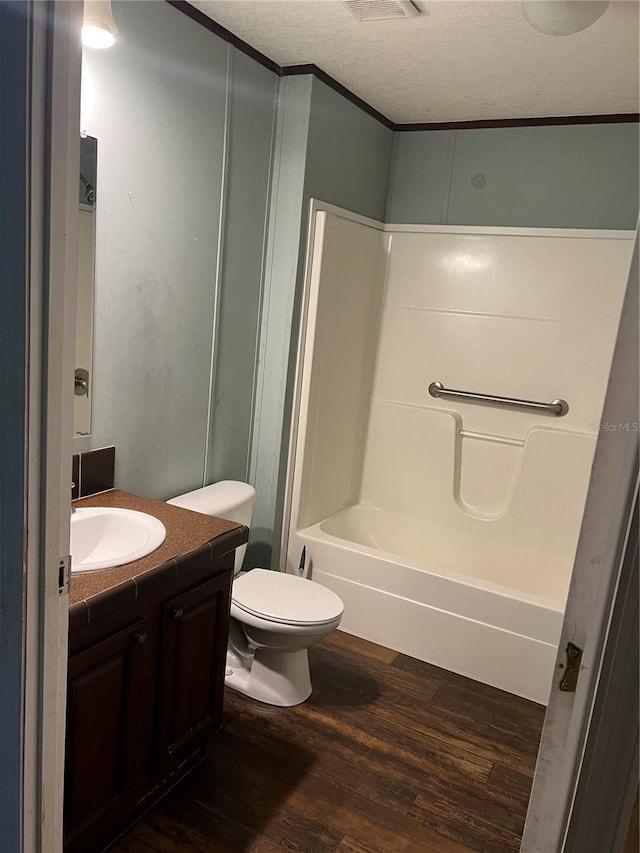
x: 449, y: 527
x: 377, y: 562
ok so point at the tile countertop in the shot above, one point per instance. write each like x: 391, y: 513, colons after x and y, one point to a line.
x: 186, y: 532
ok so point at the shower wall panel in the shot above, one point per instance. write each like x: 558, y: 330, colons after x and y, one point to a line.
x: 529, y: 317
x: 350, y: 278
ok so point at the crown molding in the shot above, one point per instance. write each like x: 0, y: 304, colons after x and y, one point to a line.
x: 401, y: 127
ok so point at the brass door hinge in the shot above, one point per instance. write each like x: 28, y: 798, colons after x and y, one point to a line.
x: 572, y: 669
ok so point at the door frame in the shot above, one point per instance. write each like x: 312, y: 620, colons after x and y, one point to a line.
x: 53, y: 157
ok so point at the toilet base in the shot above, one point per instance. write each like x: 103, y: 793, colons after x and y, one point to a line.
x: 272, y: 676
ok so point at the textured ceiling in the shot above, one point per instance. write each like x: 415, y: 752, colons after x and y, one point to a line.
x: 460, y: 60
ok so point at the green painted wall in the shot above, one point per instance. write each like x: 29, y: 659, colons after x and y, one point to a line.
x: 184, y: 124
x: 348, y: 155
x: 252, y: 91
x: 285, y: 235
x: 566, y: 176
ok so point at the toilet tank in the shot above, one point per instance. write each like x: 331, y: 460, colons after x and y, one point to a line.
x: 226, y: 499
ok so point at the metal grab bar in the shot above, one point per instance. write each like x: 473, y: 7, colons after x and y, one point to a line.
x: 557, y: 407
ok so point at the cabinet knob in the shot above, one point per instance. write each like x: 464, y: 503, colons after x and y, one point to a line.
x: 139, y: 639
x: 178, y: 614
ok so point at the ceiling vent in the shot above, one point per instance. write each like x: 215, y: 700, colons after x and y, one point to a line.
x: 381, y: 10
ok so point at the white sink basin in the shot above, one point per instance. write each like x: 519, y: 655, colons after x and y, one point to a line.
x: 103, y: 537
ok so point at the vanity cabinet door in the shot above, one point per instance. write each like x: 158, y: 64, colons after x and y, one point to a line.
x: 102, y: 711
x: 194, y: 645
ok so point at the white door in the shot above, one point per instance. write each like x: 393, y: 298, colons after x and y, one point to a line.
x: 586, y: 775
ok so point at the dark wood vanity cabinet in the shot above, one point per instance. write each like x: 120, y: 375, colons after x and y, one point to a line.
x: 194, y: 646
x: 145, y: 690
x: 102, y: 721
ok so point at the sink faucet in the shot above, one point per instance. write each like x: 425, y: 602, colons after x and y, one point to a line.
x: 73, y: 509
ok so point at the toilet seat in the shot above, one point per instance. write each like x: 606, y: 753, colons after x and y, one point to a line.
x: 285, y: 599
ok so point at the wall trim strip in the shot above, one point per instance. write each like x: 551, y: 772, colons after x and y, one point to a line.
x: 534, y: 121
x: 217, y: 287
x: 309, y: 68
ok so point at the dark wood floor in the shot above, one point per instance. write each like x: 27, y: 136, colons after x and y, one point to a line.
x: 388, y: 754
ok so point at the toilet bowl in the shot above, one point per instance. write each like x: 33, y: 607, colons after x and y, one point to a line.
x: 275, y: 616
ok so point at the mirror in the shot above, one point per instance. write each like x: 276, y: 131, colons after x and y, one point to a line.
x: 86, y: 264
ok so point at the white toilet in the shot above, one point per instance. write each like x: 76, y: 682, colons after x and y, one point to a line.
x: 275, y: 617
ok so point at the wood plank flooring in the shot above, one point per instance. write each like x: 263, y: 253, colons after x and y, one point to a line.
x: 388, y: 754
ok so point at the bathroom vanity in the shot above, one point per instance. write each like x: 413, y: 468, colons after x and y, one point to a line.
x: 147, y: 646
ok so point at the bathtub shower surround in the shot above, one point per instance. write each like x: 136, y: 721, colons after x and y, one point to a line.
x: 449, y: 526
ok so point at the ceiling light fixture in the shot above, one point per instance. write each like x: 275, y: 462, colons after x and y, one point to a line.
x: 98, y: 27
x: 562, y: 17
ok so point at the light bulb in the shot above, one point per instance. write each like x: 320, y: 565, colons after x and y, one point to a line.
x: 93, y: 36
x: 98, y: 27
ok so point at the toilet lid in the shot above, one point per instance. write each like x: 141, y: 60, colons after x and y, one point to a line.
x: 279, y: 597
